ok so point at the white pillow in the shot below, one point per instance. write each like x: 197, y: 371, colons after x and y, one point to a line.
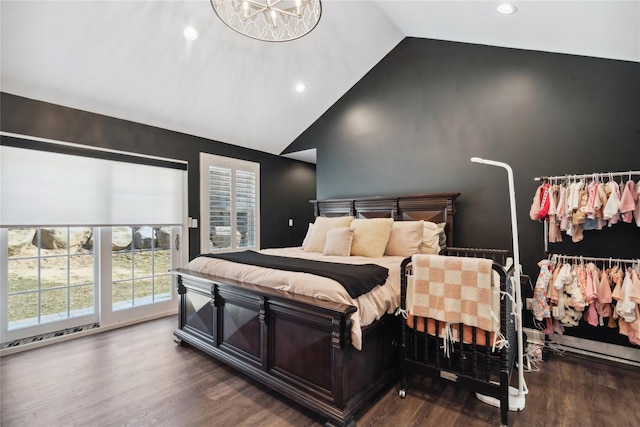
x: 433, y: 238
x: 321, y: 226
x: 305, y: 242
x: 370, y: 236
x: 338, y: 241
x: 405, y: 238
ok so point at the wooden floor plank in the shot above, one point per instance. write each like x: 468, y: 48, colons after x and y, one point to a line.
x: 137, y: 376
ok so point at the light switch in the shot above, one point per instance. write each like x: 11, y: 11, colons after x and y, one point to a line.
x: 290, y: 222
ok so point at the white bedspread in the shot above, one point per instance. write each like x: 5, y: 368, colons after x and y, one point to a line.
x: 371, y: 306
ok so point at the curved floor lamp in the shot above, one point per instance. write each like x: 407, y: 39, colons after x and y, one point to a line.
x: 516, y: 396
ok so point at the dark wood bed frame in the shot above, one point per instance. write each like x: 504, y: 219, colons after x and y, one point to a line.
x: 301, y: 346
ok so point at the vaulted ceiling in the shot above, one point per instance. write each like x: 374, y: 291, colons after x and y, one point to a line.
x: 129, y: 59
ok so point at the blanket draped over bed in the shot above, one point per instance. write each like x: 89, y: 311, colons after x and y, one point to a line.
x: 357, y: 279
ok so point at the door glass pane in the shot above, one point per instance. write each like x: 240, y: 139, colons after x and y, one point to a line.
x: 122, y: 295
x: 23, y: 275
x: 45, y: 265
x: 81, y: 300
x: 23, y: 310
x: 143, y: 291
x: 162, y: 262
x: 137, y: 268
x: 53, y: 272
x: 143, y: 263
x: 162, y: 288
x: 121, y: 266
x: 143, y: 237
x: 53, y: 305
x: 121, y: 238
x: 21, y: 242
x: 81, y: 269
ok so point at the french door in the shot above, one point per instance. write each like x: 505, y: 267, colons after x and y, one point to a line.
x: 59, y: 278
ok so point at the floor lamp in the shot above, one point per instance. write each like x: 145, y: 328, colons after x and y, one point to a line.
x: 516, y: 396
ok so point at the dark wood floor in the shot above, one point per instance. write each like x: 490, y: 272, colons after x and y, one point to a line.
x: 137, y: 376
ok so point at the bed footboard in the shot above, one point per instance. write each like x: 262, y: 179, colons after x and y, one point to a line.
x: 298, y: 346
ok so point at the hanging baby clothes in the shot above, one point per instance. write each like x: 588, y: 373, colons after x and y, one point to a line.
x: 636, y: 212
x: 540, y: 305
x: 540, y: 203
x: 615, y: 277
x: 572, y: 205
x: 594, y: 208
x: 628, y: 201
x: 579, y: 287
x: 603, y: 303
x: 626, y: 307
x: 564, y: 278
x: 567, y: 292
x: 610, y: 211
x: 579, y: 212
x: 632, y: 328
x: 591, y: 313
x: 556, y: 198
x: 562, y: 207
x: 552, y: 291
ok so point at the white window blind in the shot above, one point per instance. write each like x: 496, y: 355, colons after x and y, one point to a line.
x: 230, y: 203
x: 246, y: 207
x: 220, y: 206
x: 44, y: 187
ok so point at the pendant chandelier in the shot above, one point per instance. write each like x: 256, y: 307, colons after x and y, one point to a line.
x: 269, y: 20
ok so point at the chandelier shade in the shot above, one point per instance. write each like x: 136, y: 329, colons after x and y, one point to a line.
x: 269, y: 20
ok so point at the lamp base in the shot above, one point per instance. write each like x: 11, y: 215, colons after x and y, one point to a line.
x: 516, y: 400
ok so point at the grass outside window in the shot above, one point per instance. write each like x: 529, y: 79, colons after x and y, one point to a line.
x: 59, y: 283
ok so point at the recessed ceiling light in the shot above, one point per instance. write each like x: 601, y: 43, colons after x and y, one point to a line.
x: 301, y: 87
x: 190, y: 33
x: 507, y: 8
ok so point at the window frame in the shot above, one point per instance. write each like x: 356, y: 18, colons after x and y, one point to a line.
x: 103, y: 310
x: 212, y: 160
x: 41, y: 327
x: 136, y: 313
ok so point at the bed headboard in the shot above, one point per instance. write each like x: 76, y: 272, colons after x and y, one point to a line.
x: 437, y: 207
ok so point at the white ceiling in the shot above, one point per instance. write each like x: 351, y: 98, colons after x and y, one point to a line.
x: 128, y: 59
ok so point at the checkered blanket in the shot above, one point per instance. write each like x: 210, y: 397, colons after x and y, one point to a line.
x: 452, y: 289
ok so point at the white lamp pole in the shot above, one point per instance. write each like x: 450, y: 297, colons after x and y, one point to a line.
x: 516, y: 402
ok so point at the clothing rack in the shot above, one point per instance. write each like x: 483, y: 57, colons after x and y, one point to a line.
x: 597, y: 349
x: 595, y: 259
x: 586, y: 175
x: 575, y: 344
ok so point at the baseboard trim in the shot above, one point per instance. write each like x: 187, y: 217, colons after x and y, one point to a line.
x: 69, y: 336
x: 610, y: 352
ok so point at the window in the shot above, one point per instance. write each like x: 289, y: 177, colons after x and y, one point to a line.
x: 74, y: 247
x: 230, y: 204
x: 141, y: 261
x: 54, y: 283
x: 50, y: 275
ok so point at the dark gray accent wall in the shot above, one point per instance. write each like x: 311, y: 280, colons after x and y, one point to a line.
x: 286, y: 185
x: 414, y: 121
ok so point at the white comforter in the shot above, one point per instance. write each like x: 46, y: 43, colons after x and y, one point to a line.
x: 371, y: 306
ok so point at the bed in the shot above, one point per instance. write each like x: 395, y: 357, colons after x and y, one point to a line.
x: 305, y: 347
x: 475, y: 358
